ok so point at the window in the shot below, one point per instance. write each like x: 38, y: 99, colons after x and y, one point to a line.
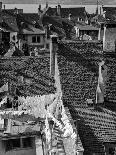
x: 47, y: 46
x: 36, y: 39
x: 27, y: 142
x: 12, y: 144
x: 111, y: 151
x: 18, y: 143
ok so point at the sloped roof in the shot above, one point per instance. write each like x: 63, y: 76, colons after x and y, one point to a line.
x: 64, y: 12
x: 12, y: 11
x: 34, y: 19
x: 96, y: 127
x: 9, y: 21
x: 67, y: 141
x: 99, y: 18
x: 55, y: 20
x: 76, y: 12
x: 36, y: 69
x: 110, y: 12
x: 87, y: 27
x: 33, y: 31
x: 78, y: 66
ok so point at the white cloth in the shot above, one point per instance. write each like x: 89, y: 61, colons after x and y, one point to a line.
x: 47, y: 130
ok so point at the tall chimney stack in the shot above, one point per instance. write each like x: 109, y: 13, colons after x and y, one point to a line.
x: 53, y: 49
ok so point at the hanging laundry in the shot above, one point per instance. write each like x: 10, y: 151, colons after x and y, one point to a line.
x: 52, y: 107
x: 36, y: 104
x: 47, y: 130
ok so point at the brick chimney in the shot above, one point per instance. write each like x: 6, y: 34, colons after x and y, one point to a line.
x: 53, y: 49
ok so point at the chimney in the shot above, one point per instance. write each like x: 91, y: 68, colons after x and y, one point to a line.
x: 59, y: 9
x: 16, y: 11
x: 100, y: 10
x: 0, y: 7
x: 101, y: 83
x: 4, y: 7
x: 104, y: 12
x: 39, y: 10
x: 69, y: 16
x: 46, y: 5
x: 56, y: 10
x: 104, y: 38
x: 53, y: 49
x: 40, y: 7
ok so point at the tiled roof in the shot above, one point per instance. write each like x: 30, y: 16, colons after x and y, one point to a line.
x: 95, y: 126
x: 79, y: 11
x: 78, y: 72
x: 75, y: 12
x: 110, y: 12
x: 35, y: 69
x: 55, y: 20
x: 99, y: 19
x: 33, y: 18
x: 78, y: 66
x: 87, y: 27
x: 9, y: 21
x: 33, y: 31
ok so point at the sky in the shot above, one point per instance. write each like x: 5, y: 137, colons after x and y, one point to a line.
x: 90, y: 5
x: 73, y: 2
